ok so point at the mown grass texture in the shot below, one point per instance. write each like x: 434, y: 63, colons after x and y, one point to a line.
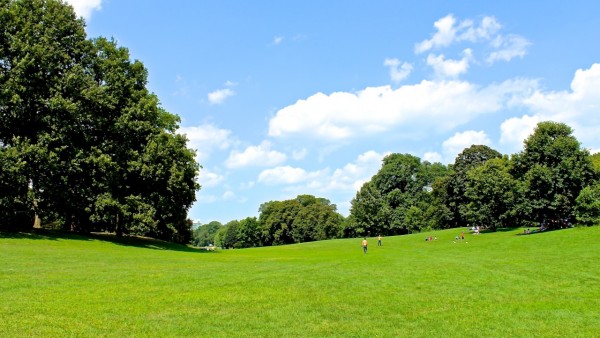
x: 502, y: 284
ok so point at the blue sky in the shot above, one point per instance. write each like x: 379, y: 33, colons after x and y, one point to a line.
x: 282, y: 98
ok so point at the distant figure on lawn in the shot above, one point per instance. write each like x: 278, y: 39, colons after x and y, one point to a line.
x: 379, y: 240
x: 365, y: 244
x: 462, y: 235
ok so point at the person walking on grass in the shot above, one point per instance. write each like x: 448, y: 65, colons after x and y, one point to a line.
x: 365, y: 244
x: 379, y: 240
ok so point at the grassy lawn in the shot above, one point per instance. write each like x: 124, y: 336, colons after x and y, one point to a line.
x: 500, y: 284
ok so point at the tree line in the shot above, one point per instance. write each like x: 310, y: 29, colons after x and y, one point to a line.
x: 552, y: 182
x: 305, y: 218
x: 83, y: 143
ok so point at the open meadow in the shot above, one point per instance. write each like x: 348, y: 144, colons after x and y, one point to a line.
x: 502, y: 284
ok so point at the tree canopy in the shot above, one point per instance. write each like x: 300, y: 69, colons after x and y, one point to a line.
x: 89, y: 147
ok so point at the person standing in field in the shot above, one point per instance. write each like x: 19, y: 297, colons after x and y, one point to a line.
x: 365, y: 244
x: 379, y: 240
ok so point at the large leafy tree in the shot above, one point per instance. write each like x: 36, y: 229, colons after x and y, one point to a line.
x: 398, y: 199
x: 249, y: 233
x: 553, y: 170
x: 102, y: 153
x: 455, y: 198
x: 492, y: 194
x: 305, y: 218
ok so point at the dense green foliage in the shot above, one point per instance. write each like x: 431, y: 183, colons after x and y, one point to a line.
x: 552, y: 182
x: 501, y: 284
x: 539, y: 185
x: 305, y: 218
x: 398, y: 198
x: 83, y: 143
x: 553, y: 170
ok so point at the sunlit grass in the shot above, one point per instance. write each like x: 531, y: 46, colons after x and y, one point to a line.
x: 492, y: 285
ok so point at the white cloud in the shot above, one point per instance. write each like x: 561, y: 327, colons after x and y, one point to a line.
x: 515, y: 130
x: 353, y: 175
x: 449, y: 30
x: 284, y: 175
x: 415, y: 109
x: 508, y: 47
x: 450, y: 68
x: 398, y: 70
x: 578, y: 108
x: 209, y: 178
x: 459, y: 141
x: 445, y: 35
x: 84, y: 8
x: 432, y: 157
x: 260, y: 155
x: 219, y: 96
x: 205, y: 138
x: 347, y: 179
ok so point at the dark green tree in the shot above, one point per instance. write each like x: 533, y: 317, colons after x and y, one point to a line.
x: 454, y: 196
x: 102, y: 154
x: 553, y: 170
x: 230, y: 239
x: 277, y: 219
x: 398, y: 199
x: 249, y: 233
x: 492, y: 194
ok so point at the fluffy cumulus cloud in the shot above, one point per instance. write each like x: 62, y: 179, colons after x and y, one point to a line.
x: 459, y: 141
x: 450, y: 68
x: 515, y: 130
x: 347, y: 179
x: 577, y: 107
x: 353, y: 175
x: 412, y: 109
x: 260, y: 155
x: 85, y: 8
x: 432, y: 157
x: 398, y: 70
x: 206, y: 138
x: 209, y: 178
x: 218, y: 96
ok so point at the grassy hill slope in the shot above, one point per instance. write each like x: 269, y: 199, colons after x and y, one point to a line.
x: 499, y: 284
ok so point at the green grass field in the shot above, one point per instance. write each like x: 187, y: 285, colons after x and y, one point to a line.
x: 491, y: 285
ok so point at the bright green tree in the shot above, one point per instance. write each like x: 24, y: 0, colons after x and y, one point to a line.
x: 587, y: 206
x: 204, y: 235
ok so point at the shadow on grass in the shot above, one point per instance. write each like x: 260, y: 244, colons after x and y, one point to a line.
x: 138, y: 242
